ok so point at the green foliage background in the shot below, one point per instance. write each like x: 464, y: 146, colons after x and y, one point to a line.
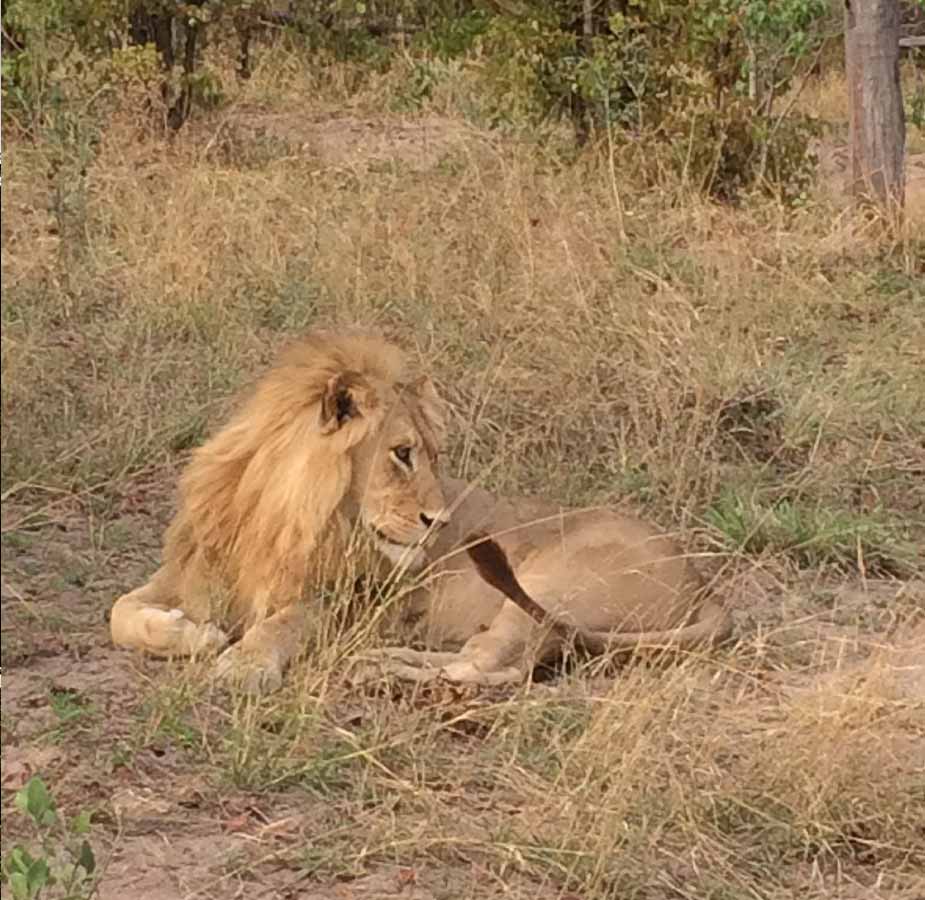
x: 703, y: 84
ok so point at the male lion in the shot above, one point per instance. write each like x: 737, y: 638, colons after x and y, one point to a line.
x: 334, y: 440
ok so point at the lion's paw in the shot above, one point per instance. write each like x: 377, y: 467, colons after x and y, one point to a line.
x: 464, y: 671
x: 251, y: 672
x: 207, y: 638
x: 169, y: 631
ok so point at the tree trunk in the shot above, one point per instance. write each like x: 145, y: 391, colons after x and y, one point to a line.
x: 581, y: 109
x: 878, y: 130
x: 587, y: 26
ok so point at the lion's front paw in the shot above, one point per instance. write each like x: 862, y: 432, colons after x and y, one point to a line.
x: 205, y: 638
x: 252, y: 672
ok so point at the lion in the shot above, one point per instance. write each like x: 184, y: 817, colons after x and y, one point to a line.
x: 335, y: 441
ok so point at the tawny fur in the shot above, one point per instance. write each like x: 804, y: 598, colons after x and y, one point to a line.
x: 317, y: 452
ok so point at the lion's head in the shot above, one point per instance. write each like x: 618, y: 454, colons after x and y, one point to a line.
x: 333, y: 437
x: 394, y: 492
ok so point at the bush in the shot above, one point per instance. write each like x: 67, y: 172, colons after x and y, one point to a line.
x: 702, y: 80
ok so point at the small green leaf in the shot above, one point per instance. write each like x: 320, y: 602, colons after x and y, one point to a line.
x: 37, y: 876
x: 22, y: 800
x: 19, y: 860
x: 19, y: 886
x: 81, y: 823
x: 86, y: 860
x: 38, y: 800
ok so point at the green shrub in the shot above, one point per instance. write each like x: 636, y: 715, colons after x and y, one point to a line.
x: 701, y: 81
x: 63, y: 864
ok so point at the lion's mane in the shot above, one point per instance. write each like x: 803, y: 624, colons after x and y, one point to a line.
x: 259, y: 501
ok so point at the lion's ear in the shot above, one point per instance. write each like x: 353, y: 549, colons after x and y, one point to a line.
x: 432, y: 407
x: 347, y: 397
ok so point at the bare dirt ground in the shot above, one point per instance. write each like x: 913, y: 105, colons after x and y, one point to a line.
x: 350, y: 142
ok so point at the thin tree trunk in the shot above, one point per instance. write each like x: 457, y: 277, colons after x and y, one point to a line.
x: 581, y: 108
x: 878, y: 130
x: 587, y: 26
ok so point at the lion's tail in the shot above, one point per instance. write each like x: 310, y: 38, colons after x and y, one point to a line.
x: 712, y: 627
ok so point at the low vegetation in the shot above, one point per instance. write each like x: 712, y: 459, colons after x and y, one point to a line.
x: 744, y: 370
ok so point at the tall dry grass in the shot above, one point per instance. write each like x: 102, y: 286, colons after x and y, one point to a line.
x: 598, y: 340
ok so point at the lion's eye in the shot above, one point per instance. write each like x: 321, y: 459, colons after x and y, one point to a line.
x: 403, y: 455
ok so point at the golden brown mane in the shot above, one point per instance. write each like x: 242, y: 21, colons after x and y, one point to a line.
x: 262, y: 495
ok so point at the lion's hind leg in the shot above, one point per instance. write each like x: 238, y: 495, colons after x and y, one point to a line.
x: 147, y: 619
x: 502, y: 654
x: 423, y: 666
x: 402, y: 662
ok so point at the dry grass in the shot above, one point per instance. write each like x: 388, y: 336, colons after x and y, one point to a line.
x: 751, y: 378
